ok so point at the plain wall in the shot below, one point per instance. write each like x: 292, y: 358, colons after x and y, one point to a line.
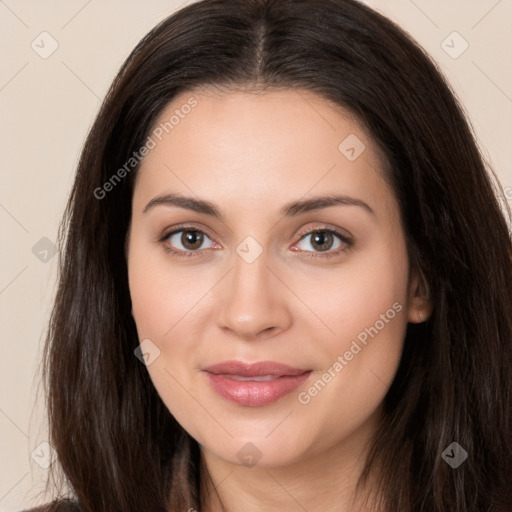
x: 47, y: 106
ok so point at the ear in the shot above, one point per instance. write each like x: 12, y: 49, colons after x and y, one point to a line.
x: 419, y: 305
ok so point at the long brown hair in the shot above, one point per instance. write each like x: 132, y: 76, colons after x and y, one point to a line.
x: 118, y: 446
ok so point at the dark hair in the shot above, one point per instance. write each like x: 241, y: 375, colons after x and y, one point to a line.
x: 119, y: 447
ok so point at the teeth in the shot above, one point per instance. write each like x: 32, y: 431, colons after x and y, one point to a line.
x: 260, y: 378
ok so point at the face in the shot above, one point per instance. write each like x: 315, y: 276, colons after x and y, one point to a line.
x: 262, y: 272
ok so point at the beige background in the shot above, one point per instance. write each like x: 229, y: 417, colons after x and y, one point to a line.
x: 47, y: 106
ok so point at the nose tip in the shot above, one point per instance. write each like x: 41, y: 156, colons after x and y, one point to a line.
x: 250, y: 333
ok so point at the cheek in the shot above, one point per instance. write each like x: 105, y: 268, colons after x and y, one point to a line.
x: 165, y: 302
x: 162, y: 294
x: 151, y: 305
x: 359, y: 362
x: 365, y: 309
x: 368, y: 296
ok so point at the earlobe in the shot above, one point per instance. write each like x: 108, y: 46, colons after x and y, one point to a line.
x: 420, y: 305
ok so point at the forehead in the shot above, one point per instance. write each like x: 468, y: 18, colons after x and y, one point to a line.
x: 248, y: 147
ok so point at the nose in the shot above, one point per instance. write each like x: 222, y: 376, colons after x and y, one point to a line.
x: 254, y: 302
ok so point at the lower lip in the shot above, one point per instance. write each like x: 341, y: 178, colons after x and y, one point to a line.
x: 255, y: 393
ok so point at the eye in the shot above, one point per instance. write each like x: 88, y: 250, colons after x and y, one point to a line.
x: 190, y: 238
x: 323, y: 240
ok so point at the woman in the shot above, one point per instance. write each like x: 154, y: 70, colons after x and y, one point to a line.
x: 285, y: 279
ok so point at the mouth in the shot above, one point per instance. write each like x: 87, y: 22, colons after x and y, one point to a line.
x: 254, y: 384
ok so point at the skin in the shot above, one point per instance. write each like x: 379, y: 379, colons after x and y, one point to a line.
x: 250, y: 154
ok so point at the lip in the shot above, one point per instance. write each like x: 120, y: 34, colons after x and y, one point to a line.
x: 253, y: 393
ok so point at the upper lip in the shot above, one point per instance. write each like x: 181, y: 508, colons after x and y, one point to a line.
x: 256, y: 369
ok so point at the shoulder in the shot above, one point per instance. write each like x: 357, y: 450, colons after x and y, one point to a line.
x: 56, y: 506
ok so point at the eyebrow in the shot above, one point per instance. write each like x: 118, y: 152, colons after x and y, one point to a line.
x: 292, y: 209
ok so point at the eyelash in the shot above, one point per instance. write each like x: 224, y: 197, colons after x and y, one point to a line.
x: 188, y: 228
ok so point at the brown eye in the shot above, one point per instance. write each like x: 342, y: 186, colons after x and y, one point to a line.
x: 185, y: 242
x: 323, y: 240
x: 192, y: 239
